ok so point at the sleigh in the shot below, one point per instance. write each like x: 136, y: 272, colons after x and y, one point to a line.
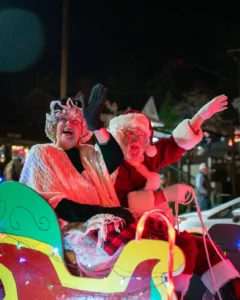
x: 33, y: 261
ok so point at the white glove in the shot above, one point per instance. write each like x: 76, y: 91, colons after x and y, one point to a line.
x: 181, y: 193
x: 216, y: 105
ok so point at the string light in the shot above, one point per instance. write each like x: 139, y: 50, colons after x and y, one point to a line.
x: 21, y: 260
x: 89, y: 266
x: 55, y: 250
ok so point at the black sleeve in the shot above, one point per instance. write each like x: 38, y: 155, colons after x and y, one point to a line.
x: 112, y: 154
x: 74, y: 155
x: 71, y: 211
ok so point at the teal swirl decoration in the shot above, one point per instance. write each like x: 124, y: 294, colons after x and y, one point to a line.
x: 16, y: 219
x: 23, y: 212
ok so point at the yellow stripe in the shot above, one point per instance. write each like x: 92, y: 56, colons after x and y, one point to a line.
x: 132, y: 255
x: 9, y: 283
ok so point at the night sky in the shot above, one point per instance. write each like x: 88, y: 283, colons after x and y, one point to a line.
x: 103, y: 35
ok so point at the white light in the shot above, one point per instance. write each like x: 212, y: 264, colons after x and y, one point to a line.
x: 55, y: 250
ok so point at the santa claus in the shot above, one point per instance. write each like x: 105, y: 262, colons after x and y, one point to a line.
x: 137, y: 186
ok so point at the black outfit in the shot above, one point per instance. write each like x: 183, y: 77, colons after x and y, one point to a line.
x: 71, y: 211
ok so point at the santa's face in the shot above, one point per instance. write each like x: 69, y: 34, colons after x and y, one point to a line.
x: 69, y: 130
x: 134, y: 143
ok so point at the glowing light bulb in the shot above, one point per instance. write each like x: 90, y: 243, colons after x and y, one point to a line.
x: 21, y: 260
x: 170, y: 288
x: 122, y: 281
x: 27, y: 282
x: 55, y: 250
x: 89, y: 266
x: 19, y: 246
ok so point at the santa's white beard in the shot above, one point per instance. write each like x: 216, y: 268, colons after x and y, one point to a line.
x: 134, y: 158
x: 130, y: 155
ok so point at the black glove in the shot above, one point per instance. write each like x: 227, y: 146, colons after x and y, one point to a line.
x: 92, y: 108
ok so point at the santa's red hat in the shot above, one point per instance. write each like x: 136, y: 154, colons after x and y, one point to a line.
x: 133, y: 119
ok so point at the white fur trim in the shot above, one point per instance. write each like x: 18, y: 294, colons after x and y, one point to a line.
x: 151, y: 151
x: 141, y: 201
x: 185, y: 137
x: 223, y: 271
x: 181, y: 283
x: 102, y: 135
x: 131, y: 120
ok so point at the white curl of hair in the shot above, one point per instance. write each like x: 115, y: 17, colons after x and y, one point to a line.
x: 54, y: 115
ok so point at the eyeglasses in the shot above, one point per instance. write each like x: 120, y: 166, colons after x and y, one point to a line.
x: 136, y: 133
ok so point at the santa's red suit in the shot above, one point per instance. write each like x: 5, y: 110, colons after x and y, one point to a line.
x: 135, y: 184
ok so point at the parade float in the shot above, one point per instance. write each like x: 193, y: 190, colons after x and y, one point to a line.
x: 34, y: 264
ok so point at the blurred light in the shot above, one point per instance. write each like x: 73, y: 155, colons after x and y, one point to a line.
x: 21, y: 39
x: 238, y: 245
x: 55, y: 250
x: 206, y: 134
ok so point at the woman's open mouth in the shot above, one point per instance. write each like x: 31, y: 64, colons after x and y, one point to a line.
x: 68, y: 132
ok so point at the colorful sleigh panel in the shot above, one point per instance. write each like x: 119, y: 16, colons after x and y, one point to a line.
x: 32, y: 264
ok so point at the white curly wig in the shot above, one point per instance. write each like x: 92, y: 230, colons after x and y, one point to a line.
x: 57, y: 109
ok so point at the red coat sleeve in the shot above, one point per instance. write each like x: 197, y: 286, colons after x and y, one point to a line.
x: 168, y: 152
